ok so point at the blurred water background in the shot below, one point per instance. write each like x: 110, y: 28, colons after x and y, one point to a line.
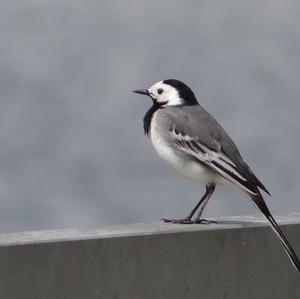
x: 72, y: 150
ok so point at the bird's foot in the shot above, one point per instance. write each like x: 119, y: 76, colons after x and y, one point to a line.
x: 179, y: 221
x: 189, y: 221
x: 204, y: 221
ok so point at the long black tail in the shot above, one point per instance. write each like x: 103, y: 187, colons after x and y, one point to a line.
x: 259, y: 201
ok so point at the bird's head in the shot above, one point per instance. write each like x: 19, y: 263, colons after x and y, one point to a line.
x: 170, y: 92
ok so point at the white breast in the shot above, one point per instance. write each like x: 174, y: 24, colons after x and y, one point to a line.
x: 187, y: 168
x: 160, y: 145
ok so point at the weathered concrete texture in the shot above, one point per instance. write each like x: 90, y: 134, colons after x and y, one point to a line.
x: 240, y: 258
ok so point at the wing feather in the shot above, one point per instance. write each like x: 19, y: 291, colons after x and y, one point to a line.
x: 216, y: 159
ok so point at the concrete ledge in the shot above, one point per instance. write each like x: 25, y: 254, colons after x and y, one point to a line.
x: 238, y: 258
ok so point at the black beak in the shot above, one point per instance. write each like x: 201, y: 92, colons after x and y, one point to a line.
x: 142, y: 91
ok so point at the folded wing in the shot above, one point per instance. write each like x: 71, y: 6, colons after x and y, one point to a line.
x: 215, y: 158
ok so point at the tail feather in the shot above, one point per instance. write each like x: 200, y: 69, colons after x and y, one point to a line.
x: 259, y: 201
x: 260, y: 185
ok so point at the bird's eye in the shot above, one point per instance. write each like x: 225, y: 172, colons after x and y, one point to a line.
x: 160, y: 91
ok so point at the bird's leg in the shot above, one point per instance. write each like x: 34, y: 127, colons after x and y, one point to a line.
x: 210, y: 188
x: 204, y: 199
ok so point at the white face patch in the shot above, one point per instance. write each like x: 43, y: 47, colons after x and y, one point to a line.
x: 165, y: 93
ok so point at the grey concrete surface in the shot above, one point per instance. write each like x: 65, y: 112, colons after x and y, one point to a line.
x: 238, y: 258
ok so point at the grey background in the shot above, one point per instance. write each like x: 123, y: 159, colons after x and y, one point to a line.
x: 72, y: 150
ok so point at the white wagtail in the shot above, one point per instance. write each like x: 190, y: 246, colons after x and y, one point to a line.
x: 186, y: 136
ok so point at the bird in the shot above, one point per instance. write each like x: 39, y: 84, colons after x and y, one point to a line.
x: 196, y: 146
